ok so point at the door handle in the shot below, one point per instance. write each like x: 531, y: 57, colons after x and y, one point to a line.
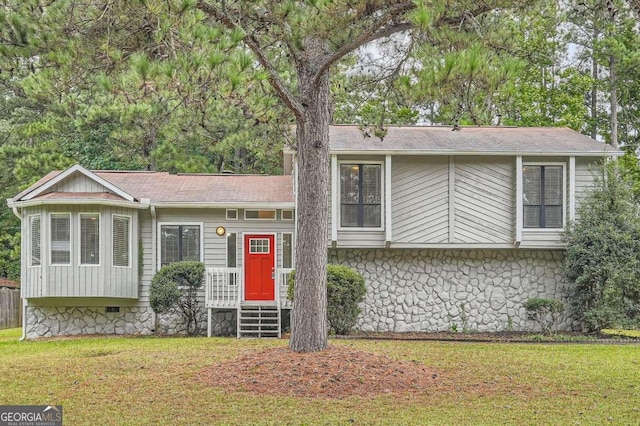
x: 273, y: 273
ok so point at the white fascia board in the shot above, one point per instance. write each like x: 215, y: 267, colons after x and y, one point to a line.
x: 78, y: 201
x: 478, y: 153
x: 85, y: 172
x: 246, y: 205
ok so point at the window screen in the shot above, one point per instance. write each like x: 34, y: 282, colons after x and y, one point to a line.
x: 361, y: 195
x: 60, y: 239
x: 542, y: 196
x: 89, y: 239
x: 121, y: 246
x: 35, y: 241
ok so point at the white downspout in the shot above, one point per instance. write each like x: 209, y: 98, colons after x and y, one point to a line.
x: 25, y: 302
x: 154, y: 233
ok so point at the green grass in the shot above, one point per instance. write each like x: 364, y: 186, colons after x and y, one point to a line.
x: 150, y: 380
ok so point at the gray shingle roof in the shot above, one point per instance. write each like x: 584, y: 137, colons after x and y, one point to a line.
x: 472, y: 140
x: 202, y: 188
x: 161, y: 187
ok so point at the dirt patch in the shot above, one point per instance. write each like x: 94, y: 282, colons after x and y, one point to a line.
x: 337, y: 372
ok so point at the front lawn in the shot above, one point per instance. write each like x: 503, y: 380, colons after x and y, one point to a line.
x: 116, y: 380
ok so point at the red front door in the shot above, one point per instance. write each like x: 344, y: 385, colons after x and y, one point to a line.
x: 259, y: 267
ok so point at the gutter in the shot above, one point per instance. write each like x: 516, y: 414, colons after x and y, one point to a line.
x: 401, y: 152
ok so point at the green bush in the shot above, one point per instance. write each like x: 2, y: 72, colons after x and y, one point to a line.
x: 544, y: 312
x: 345, y: 289
x: 175, y: 286
x: 603, y: 255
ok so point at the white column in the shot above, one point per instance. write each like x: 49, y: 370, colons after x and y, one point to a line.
x: 572, y: 188
x: 452, y: 199
x: 334, y: 198
x: 387, y: 198
x: 519, y: 203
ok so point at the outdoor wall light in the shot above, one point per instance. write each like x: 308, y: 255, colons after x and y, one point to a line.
x: 220, y: 231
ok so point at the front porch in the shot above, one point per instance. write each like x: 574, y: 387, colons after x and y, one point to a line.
x: 225, y: 290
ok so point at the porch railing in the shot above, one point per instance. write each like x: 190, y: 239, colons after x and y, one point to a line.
x: 283, y: 283
x: 223, y: 287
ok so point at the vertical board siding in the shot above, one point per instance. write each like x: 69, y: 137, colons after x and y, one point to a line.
x: 420, y: 199
x: 33, y: 276
x: 145, y: 244
x: 484, y: 199
x: 78, y: 183
x: 75, y: 280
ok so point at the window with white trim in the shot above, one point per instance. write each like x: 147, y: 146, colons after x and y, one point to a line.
x: 60, y: 239
x: 360, y: 195
x: 89, y: 239
x: 543, y: 196
x: 35, y: 241
x: 179, y: 242
x: 121, y: 240
x: 260, y: 214
x: 287, y: 250
x: 232, y: 247
x: 232, y: 214
x: 287, y: 214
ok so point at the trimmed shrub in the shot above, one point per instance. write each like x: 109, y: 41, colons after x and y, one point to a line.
x: 345, y: 290
x: 544, y: 312
x: 603, y: 255
x: 176, y: 286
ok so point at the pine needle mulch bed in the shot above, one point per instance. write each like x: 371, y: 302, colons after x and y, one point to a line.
x: 337, y: 372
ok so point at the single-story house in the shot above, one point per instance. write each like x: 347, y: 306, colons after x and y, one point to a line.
x: 451, y: 229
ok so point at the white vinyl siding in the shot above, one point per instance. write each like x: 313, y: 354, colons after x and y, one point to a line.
x: 121, y: 237
x: 60, y: 239
x: 420, y: 199
x: 35, y: 241
x: 89, y: 239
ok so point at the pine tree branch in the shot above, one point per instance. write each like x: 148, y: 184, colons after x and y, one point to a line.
x: 278, y: 85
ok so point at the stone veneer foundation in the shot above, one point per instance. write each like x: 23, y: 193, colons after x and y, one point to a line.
x: 410, y: 290
x: 47, y: 321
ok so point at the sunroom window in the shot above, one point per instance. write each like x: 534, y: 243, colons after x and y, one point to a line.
x: 361, y: 195
x: 89, y: 239
x: 35, y: 240
x: 543, y: 196
x: 60, y: 239
x: 121, y: 241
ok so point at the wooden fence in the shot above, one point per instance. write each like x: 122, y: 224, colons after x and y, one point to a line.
x: 10, y: 308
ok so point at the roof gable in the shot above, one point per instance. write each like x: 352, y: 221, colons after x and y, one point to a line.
x: 67, y: 176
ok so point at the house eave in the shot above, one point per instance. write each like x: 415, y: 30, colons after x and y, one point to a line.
x: 221, y: 205
x: 76, y: 201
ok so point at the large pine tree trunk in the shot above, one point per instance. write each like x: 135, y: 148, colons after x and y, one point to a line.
x: 309, y: 318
